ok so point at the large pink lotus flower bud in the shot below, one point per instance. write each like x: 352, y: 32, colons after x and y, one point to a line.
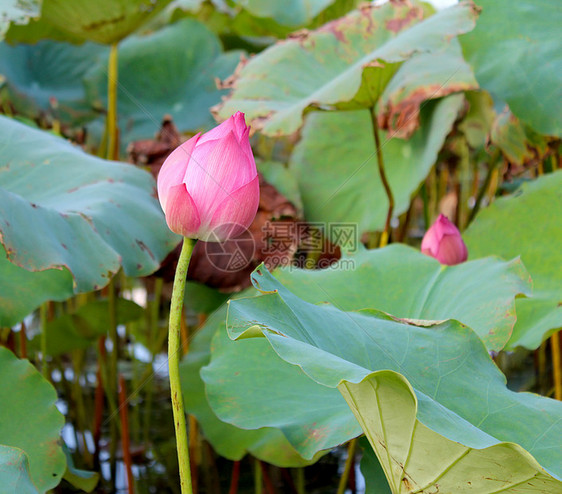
x: 209, y: 187
x: 444, y: 242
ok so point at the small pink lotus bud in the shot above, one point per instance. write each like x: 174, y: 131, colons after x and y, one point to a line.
x: 444, y: 242
x: 209, y: 187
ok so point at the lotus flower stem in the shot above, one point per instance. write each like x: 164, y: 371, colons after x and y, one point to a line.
x: 386, y: 185
x: 111, y: 125
x: 174, y: 355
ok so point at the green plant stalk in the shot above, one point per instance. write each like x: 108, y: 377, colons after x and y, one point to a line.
x: 258, y: 480
x: 425, y: 199
x: 556, y: 365
x: 384, y: 180
x: 78, y: 398
x: 463, y: 184
x: 152, y: 313
x: 555, y: 158
x: 174, y: 356
x: 110, y: 397
x: 541, y: 368
x: 111, y: 125
x: 135, y: 419
x: 43, y: 319
x: 433, y: 194
x: 485, y: 186
x: 301, y: 482
x: 348, y: 466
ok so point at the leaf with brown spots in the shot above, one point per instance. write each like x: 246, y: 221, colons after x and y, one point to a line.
x: 102, y: 21
x: 425, y: 76
x: 345, y: 64
x: 520, y: 144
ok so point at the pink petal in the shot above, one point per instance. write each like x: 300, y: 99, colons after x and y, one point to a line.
x: 445, y: 226
x: 235, y: 214
x: 444, y: 242
x: 234, y: 124
x: 173, y: 169
x: 181, y: 212
x: 225, y: 168
x: 239, y: 123
x: 430, y: 243
x: 199, y: 156
x: 245, y: 144
x: 452, y: 250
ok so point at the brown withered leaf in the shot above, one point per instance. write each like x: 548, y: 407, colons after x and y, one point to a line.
x: 425, y: 76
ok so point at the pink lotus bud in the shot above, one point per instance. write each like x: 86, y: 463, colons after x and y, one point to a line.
x: 209, y: 187
x: 444, y: 242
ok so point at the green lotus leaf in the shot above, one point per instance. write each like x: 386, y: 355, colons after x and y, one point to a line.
x: 47, y: 78
x: 345, y: 64
x: 375, y: 480
x: 63, y: 209
x: 267, y: 444
x: 241, y: 19
x: 81, y: 479
x: 30, y: 421
x: 417, y: 459
x: 340, y: 148
x: 103, y: 21
x: 252, y: 364
x: 373, y: 278
x: 404, y: 282
x: 180, y: 64
x: 461, y: 395
x: 21, y: 291
x: 292, y: 13
x: 283, y: 179
x: 527, y: 224
x: 82, y: 328
x: 14, y: 471
x: 516, y: 56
